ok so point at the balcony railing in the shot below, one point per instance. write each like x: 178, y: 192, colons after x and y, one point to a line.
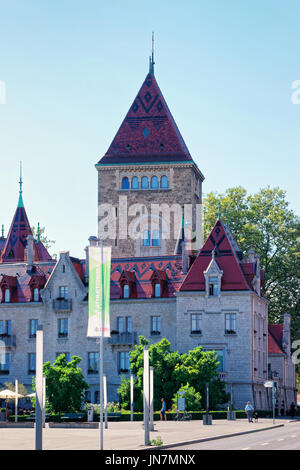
x: 123, y: 338
x: 8, y: 340
x: 62, y: 305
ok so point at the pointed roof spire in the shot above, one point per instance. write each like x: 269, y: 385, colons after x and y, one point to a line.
x: 2, y: 231
x: 20, y: 203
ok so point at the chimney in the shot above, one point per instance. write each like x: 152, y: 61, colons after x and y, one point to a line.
x: 185, y: 257
x: 29, y: 251
x: 286, y: 335
x: 251, y: 256
x: 93, y: 241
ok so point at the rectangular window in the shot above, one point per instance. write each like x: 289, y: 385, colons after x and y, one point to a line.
x: 155, y: 325
x: 230, y: 323
x: 213, y: 287
x: 196, y: 327
x: 124, y: 324
x: 63, y: 292
x: 63, y: 327
x: 31, y: 363
x: 4, y: 363
x: 93, y: 363
x: 5, y: 327
x: 32, y: 328
x: 124, y: 362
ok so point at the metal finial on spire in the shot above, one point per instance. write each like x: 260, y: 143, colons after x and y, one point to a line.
x: 151, y: 67
x: 219, y: 210
x: 38, y: 232
x: 20, y: 203
x: 2, y: 231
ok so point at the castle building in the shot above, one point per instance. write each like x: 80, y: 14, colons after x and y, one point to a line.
x: 160, y: 288
x: 147, y: 163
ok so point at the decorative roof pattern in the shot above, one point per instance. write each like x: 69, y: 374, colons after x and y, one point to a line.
x: 13, y: 248
x: 168, y: 268
x: 148, y: 132
x: 227, y: 255
x: 21, y: 280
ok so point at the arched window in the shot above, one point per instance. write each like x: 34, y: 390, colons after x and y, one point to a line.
x: 126, y: 291
x: 155, y: 238
x: 36, y: 295
x: 125, y: 183
x: 135, y: 183
x: 146, y: 238
x: 164, y: 182
x: 157, y: 290
x: 154, y: 182
x: 145, y: 182
x: 7, y: 295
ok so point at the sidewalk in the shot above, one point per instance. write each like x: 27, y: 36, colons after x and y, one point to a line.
x: 129, y: 435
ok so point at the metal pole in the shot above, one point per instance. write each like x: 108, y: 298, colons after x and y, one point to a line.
x: 131, y: 397
x: 151, y: 399
x: 274, y: 401
x: 44, y: 401
x: 146, y: 394
x: 231, y: 398
x: 101, y: 351
x: 105, y: 399
x: 16, y: 401
x: 207, y: 398
x: 39, y: 389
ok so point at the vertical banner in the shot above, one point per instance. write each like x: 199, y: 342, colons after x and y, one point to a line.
x: 99, y: 278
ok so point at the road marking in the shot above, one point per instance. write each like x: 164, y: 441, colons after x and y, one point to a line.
x: 294, y: 435
x: 280, y: 440
x: 246, y: 448
x: 265, y: 444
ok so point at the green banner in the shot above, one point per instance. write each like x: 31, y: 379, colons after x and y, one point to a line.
x: 99, y: 291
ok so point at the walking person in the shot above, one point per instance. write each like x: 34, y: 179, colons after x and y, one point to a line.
x: 249, y: 410
x: 292, y: 409
x: 163, y: 410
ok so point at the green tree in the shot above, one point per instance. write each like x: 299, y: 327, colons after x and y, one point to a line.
x: 171, y: 371
x: 43, y: 238
x: 192, y: 398
x: 265, y: 222
x: 65, y: 384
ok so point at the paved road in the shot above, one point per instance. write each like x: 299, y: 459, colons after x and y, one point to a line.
x: 285, y: 438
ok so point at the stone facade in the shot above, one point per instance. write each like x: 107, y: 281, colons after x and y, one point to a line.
x: 184, y: 184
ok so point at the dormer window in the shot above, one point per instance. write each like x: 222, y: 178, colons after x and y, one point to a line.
x: 127, y: 285
x: 157, y: 290
x: 126, y: 291
x: 213, y: 276
x: 213, y: 287
x: 36, y: 294
x: 6, y: 295
x: 159, y: 284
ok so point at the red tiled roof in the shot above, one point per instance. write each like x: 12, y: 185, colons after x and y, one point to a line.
x: 168, y: 268
x: 148, y: 132
x: 22, y: 279
x: 275, y: 333
x: 13, y: 250
x: 228, y: 257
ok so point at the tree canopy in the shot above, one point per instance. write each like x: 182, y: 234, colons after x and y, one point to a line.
x: 172, y: 371
x: 65, y: 384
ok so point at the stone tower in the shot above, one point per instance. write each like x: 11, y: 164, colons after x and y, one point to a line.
x: 144, y: 178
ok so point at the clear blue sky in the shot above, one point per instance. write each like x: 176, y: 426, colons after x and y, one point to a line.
x: 73, y: 68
